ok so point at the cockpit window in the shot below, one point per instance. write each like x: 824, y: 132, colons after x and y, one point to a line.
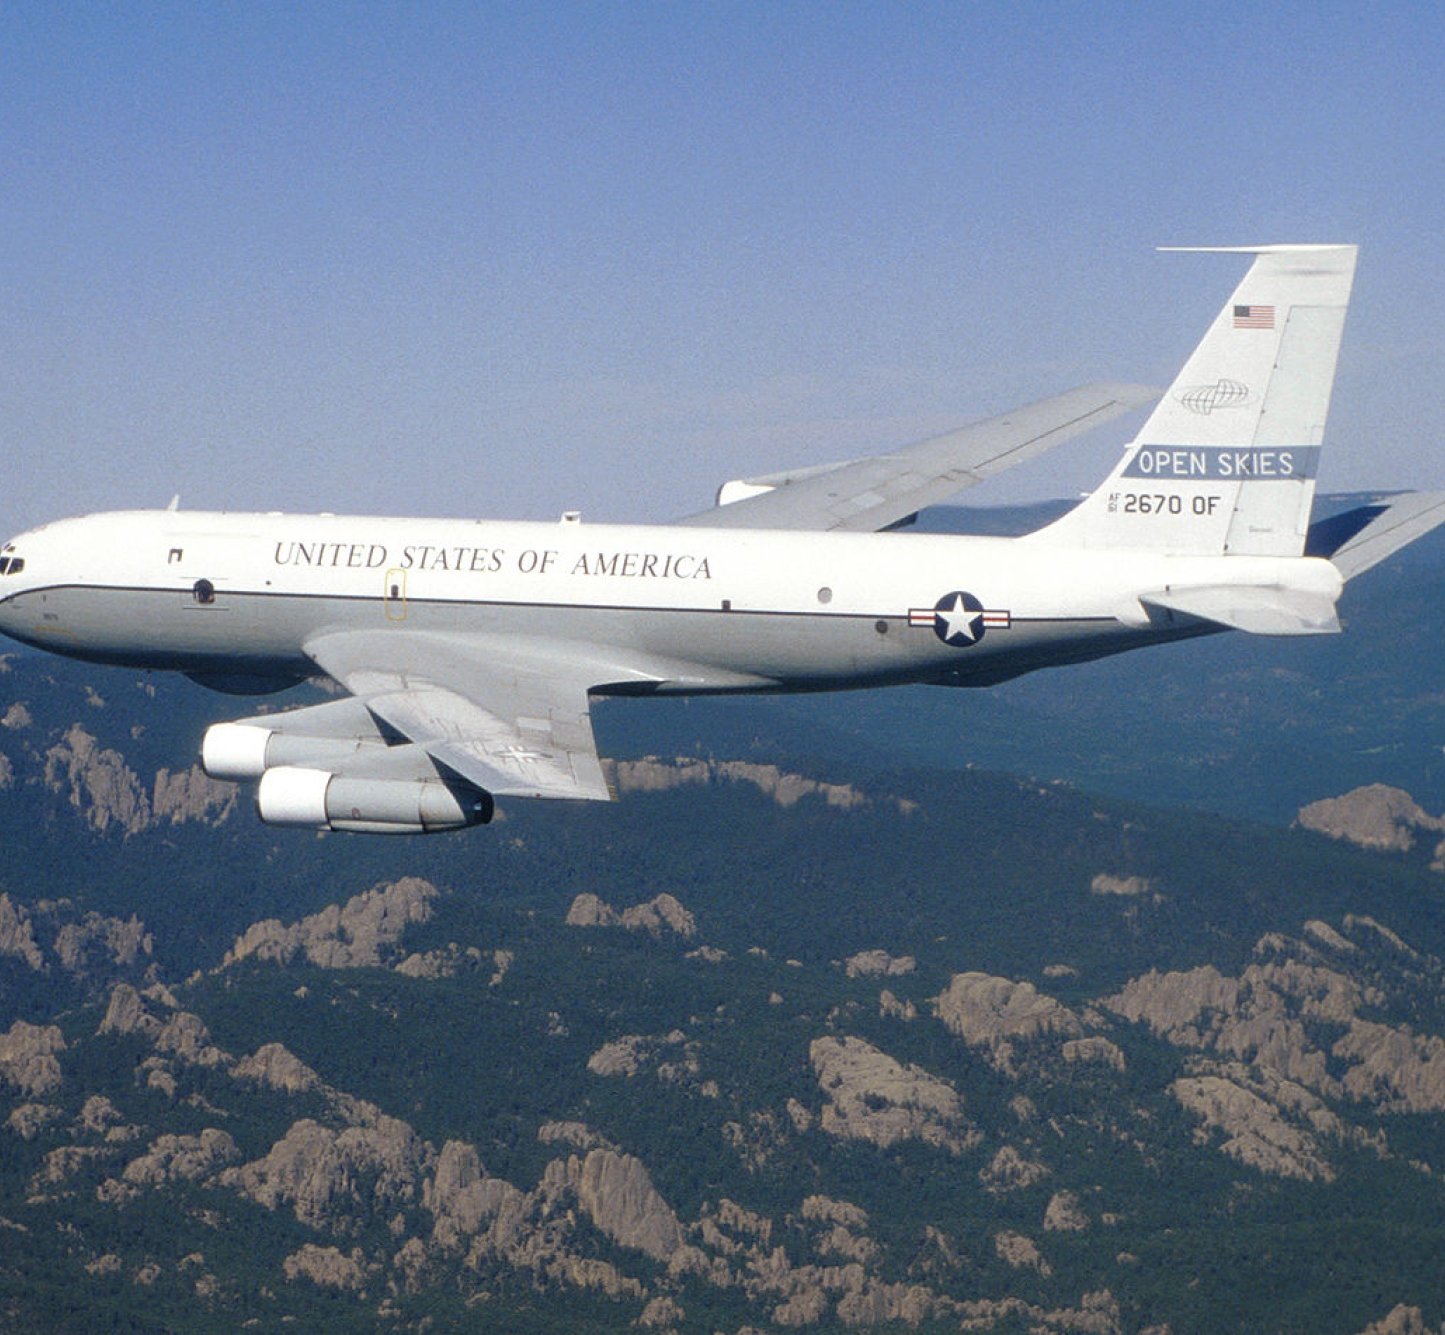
x: 11, y: 565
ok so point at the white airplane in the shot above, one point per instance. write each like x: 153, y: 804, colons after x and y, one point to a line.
x: 471, y: 649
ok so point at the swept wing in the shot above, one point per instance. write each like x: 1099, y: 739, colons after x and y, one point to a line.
x: 508, y: 715
x: 868, y: 495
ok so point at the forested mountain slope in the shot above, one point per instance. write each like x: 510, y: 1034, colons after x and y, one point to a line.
x: 766, y: 1044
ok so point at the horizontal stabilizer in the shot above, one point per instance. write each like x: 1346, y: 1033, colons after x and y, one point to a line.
x: 1365, y: 536
x: 1256, y: 609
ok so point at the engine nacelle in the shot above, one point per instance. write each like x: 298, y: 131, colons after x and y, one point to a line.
x: 234, y: 751
x: 316, y: 799
x: 242, y: 751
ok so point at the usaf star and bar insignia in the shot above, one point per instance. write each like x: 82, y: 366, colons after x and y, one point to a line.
x: 959, y: 619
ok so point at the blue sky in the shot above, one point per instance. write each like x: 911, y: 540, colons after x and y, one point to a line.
x: 506, y: 260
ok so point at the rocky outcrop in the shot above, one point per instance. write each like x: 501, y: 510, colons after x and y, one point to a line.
x: 674, y: 1058
x: 1098, y: 1313
x: 997, y: 1014
x: 874, y: 1098
x: 127, y: 1013
x: 1293, y: 1032
x: 277, y: 1067
x: 892, y: 1007
x: 327, y: 1267
x: 1065, y: 1214
x: 103, y: 788
x: 185, y: 1036
x: 27, y: 1057
x: 444, y: 962
x: 829, y: 1211
x: 98, y: 1115
x: 1127, y: 887
x: 90, y: 949
x: 1095, y: 1048
x: 100, y: 944
x: 459, y: 1195
x: 1403, y: 1320
x: 62, y: 1163
x: 654, y: 775
x: 1020, y: 1252
x: 622, y: 1057
x: 17, y: 934
x: 28, y: 1120
x: 1392, y: 1069
x: 1377, y: 816
x: 661, y: 1312
x: 336, y: 1179
x: 172, y: 1158
x: 111, y: 795
x: 878, y: 964
x: 362, y: 933
x: 192, y: 795
x: 1270, y: 1018
x: 1182, y: 1006
x: 1253, y: 1128
x: 616, y: 1191
x: 578, y: 1135
x: 661, y: 912
x: 532, y: 1229
x: 1009, y: 1170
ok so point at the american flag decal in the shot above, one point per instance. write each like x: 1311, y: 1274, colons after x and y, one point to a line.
x: 1254, y: 317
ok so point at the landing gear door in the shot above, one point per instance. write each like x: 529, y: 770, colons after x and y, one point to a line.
x: 394, y: 594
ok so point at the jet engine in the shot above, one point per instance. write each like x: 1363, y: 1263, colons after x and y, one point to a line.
x: 320, y: 800
x: 334, y: 766
x: 240, y: 751
x: 319, y: 736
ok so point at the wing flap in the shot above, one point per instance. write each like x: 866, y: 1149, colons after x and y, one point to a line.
x: 508, y: 718
x: 870, y: 495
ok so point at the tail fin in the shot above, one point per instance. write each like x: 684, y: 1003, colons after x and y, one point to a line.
x: 1226, y: 462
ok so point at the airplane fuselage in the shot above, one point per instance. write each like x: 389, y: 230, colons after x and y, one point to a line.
x: 677, y: 610
x: 469, y: 651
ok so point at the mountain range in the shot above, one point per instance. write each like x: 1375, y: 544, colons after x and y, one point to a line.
x: 828, y: 1022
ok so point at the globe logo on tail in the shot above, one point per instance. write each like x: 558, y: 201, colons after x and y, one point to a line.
x: 1205, y: 399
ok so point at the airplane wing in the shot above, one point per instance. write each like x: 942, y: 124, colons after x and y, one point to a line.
x: 508, y: 715
x: 868, y: 495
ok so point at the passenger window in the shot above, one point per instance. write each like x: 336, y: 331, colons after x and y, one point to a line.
x: 205, y: 592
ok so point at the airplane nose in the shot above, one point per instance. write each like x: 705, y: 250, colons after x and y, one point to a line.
x: 11, y: 565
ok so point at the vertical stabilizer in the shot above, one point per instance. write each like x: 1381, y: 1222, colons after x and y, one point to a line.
x: 1226, y: 463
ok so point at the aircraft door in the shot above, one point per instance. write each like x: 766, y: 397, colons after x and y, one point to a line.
x: 394, y: 594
